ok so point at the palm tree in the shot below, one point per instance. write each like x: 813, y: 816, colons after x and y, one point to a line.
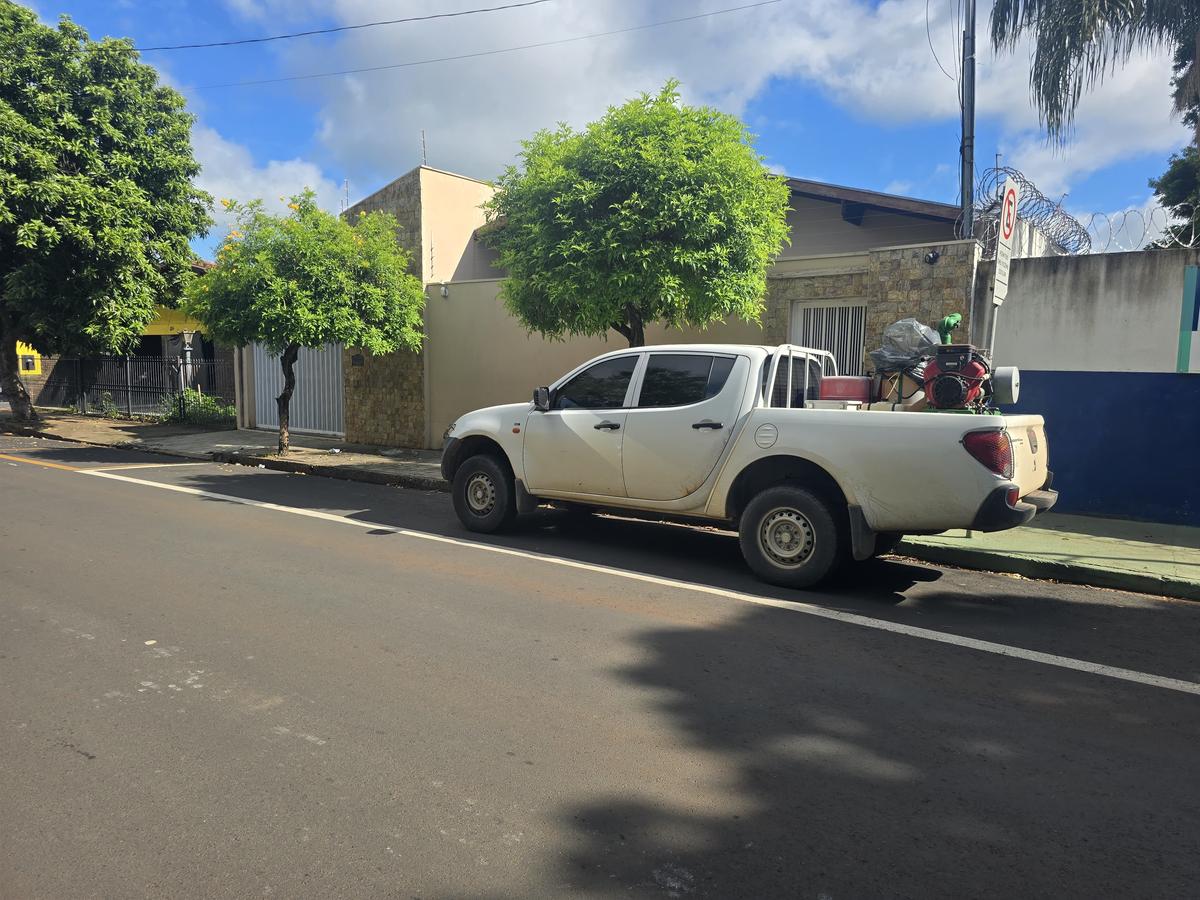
x: 1076, y: 43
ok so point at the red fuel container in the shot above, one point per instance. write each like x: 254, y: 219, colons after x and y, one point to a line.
x: 846, y: 387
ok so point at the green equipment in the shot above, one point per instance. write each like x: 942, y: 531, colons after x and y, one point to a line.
x: 947, y: 325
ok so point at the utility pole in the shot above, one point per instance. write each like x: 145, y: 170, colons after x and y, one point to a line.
x: 967, y: 150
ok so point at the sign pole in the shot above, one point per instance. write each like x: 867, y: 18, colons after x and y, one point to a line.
x: 1006, y: 228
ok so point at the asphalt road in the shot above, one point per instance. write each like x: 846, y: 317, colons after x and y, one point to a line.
x: 287, y: 697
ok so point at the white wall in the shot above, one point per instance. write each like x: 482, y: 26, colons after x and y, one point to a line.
x: 1107, y: 312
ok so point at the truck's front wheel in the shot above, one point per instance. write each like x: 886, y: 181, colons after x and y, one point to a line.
x: 484, y: 494
x: 789, y: 536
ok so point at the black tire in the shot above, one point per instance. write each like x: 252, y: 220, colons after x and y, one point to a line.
x: 886, y: 542
x: 485, y: 497
x: 791, y: 523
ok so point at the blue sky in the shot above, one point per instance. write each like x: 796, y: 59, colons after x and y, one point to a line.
x: 837, y: 90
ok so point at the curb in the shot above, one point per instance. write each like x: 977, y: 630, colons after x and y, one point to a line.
x: 1031, y: 567
x: 344, y: 473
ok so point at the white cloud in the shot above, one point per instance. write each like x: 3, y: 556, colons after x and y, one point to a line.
x: 475, y: 111
x: 871, y: 58
x: 228, y: 170
x: 1128, y: 115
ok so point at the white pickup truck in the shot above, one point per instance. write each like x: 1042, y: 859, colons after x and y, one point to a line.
x: 727, y: 434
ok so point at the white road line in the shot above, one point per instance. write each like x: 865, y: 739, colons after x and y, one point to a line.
x: 926, y: 634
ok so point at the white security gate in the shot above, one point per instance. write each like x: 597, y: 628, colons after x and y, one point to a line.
x: 840, y: 330
x: 316, y: 405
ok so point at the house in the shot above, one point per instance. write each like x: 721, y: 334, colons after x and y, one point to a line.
x: 858, y: 260
x: 170, y: 341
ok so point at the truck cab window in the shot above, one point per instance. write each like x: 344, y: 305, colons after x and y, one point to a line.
x: 681, y: 379
x: 601, y: 386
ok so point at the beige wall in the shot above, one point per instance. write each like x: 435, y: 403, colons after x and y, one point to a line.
x: 479, y: 355
x: 817, y: 228
x: 452, y: 208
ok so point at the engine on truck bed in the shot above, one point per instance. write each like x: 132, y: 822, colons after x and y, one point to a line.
x: 956, y: 377
x: 946, y: 377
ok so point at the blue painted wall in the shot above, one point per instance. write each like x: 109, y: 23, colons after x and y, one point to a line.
x: 1121, y: 443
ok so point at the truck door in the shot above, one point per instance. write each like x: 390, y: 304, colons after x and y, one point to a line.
x: 684, y: 414
x: 575, y: 447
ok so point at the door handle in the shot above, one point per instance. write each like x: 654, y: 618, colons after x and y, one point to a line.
x: 607, y: 426
x: 708, y: 423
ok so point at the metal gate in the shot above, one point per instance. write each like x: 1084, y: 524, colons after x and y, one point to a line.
x: 316, y: 406
x: 840, y: 330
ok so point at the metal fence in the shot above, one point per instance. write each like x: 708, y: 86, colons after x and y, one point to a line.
x: 197, y: 391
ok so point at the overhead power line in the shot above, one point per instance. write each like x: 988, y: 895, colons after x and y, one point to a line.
x: 315, y: 31
x: 929, y: 38
x: 460, y: 56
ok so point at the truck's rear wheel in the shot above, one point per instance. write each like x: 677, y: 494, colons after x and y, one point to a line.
x: 484, y: 494
x: 789, y: 536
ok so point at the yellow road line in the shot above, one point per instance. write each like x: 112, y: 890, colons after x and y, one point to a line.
x: 170, y: 465
x: 38, y: 462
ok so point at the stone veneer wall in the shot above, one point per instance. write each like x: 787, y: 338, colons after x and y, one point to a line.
x: 904, y: 284
x: 401, y: 198
x: 896, y: 283
x: 782, y: 290
x: 384, y: 396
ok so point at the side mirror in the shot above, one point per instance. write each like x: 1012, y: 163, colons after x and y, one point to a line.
x: 541, y: 399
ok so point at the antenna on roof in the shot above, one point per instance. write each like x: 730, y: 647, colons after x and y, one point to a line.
x: 424, y: 159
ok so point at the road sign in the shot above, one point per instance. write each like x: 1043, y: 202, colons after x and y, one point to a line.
x: 1005, y: 230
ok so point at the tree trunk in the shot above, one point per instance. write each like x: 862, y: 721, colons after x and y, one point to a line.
x: 633, y: 329
x: 10, y: 376
x: 284, y: 400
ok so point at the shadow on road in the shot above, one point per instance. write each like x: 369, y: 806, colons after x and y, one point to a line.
x: 904, y: 776
x: 895, y: 782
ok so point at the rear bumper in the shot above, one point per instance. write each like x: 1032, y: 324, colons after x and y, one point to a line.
x: 995, y: 513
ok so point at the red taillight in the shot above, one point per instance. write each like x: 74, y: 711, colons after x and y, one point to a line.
x: 993, y: 449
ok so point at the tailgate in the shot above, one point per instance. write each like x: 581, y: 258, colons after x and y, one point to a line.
x: 1030, y: 456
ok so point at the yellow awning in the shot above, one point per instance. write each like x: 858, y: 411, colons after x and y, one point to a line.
x: 171, y: 321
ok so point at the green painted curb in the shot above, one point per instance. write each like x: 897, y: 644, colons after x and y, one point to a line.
x: 1032, y: 567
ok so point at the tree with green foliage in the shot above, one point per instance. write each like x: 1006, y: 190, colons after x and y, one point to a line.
x: 1178, y: 190
x: 656, y: 212
x: 97, y: 205
x: 1076, y: 43
x: 308, y: 279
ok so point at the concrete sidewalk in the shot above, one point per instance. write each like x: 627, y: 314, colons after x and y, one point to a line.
x: 310, y: 455
x: 1132, y: 556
